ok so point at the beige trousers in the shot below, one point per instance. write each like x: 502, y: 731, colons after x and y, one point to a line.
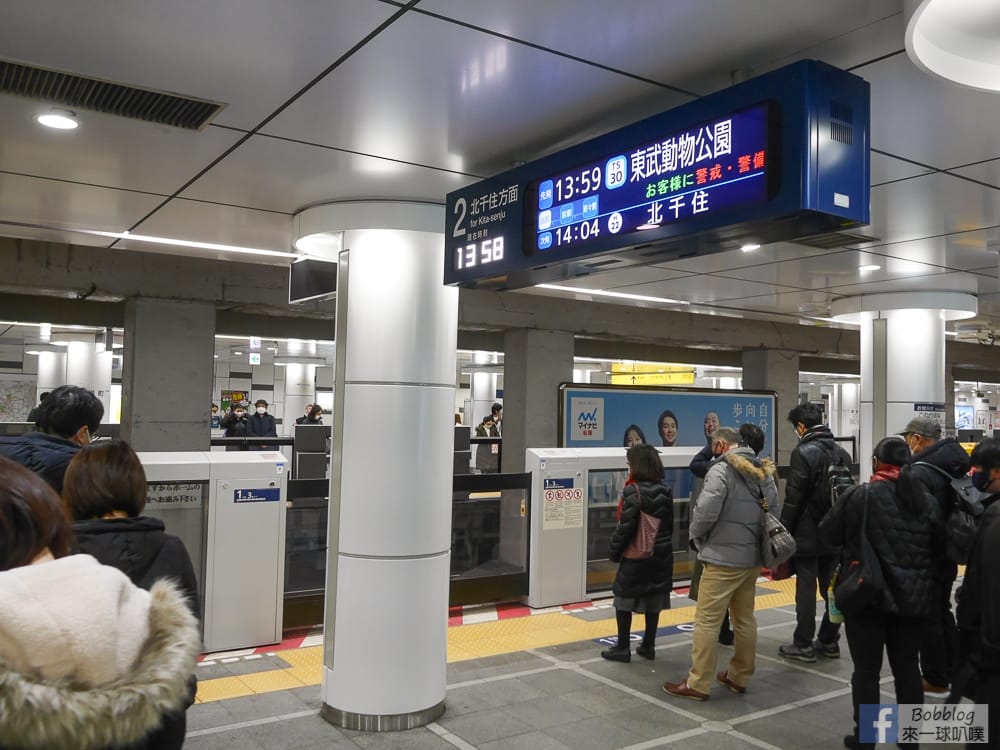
x: 724, y: 588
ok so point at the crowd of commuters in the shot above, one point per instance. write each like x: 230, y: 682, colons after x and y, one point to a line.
x: 901, y: 515
x: 98, y: 604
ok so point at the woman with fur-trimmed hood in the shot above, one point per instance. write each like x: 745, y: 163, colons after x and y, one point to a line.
x: 87, y: 660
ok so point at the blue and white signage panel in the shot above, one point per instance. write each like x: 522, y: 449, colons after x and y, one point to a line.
x: 598, y: 416
x: 262, y: 495
x: 779, y: 157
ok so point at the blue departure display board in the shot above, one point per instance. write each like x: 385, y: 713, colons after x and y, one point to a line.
x: 779, y: 157
x: 675, y: 178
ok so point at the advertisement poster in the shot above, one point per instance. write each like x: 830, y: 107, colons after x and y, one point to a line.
x: 609, y: 415
x: 964, y: 417
x: 600, y: 416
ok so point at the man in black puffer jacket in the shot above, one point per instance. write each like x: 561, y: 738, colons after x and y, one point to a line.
x: 67, y: 420
x: 807, y: 500
x: 935, y: 463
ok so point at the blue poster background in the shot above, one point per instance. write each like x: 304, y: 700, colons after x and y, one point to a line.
x: 610, y: 410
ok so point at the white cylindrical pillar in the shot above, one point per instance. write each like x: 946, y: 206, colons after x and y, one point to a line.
x: 300, y: 389
x: 90, y: 369
x: 902, y: 358
x: 51, y: 371
x: 390, y: 530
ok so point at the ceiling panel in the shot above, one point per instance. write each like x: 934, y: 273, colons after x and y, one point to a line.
x: 668, y: 43
x: 889, y: 168
x: 735, y: 260
x: 700, y: 289
x: 988, y: 172
x: 106, y: 151
x: 207, y: 222
x: 250, y: 54
x: 278, y: 175
x: 626, y: 277
x: 52, y: 203
x: 833, y: 269
x: 963, y: 250
x: 474, y: 103
x: 927, y: 119
x: 934, y: 205
x: 951, y: 282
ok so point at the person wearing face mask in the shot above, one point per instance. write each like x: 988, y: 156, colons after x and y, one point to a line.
x: 978, y: 601
x: 235, y: 422
x: 935, y: 462
x: 67, y: 420
x: 261, y: 424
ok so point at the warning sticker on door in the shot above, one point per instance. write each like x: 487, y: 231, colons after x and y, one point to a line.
x: 562, y: 504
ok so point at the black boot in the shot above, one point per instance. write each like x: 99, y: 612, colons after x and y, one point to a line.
x: 621, y: 651
x: 646, y: 650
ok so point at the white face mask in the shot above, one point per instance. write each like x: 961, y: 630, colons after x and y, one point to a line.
x: 238, y: 414
x: 261, y: 410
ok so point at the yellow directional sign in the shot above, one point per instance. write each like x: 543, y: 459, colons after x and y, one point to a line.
x: 643, y: 373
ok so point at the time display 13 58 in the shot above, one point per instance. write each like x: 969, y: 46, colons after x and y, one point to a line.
x: 479, y: 253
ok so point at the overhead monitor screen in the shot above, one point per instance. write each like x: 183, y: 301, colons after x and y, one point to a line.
x: 674, y: 179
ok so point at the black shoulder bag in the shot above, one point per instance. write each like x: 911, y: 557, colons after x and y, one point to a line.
x: 860, y: 582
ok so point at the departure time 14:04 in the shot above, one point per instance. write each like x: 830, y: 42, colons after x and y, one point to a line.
x: 577, y: 232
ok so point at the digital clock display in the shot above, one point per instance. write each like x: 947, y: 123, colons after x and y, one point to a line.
x: 677, y: 178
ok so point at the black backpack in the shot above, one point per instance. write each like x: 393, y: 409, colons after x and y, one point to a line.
x: 963, y: 518
x: 835, y: 477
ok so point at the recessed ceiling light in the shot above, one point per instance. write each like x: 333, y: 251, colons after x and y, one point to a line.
x: 869, y: 267
x: 750, y: 247
x: 60, y: 119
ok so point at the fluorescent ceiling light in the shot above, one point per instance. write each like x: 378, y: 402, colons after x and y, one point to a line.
x: 58, y: 119
x: 750, y: 247
x: 616, y: 295
x: 189, y: 243
x: 647, y: 226
x: 869, y: 267
x: 295, y: 360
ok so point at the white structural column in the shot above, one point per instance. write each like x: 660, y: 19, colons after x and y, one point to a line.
x: 90, y: 369
x: 300, y: 389
x: 51, y: 371
x: 535, y: 363
x: 388, y: 564
x: 778, y: 371
x: 902, y: 358
x: 167, y: 374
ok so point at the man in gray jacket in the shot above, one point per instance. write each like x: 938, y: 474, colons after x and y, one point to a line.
x: 725, y: 527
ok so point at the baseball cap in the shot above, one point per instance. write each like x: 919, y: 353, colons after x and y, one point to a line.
x: 923, y: 426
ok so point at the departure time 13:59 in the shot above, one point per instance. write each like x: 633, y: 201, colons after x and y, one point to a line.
x: 579, y: 184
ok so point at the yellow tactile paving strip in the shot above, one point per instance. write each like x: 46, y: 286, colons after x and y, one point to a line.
x: 467, y: 642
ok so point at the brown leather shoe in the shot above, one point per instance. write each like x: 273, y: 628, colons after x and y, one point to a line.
x: 935, y: 689
x: 723, y: 678
x: 681, y: 690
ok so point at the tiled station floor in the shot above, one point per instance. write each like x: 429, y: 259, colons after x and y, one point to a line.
x: 537, y: 682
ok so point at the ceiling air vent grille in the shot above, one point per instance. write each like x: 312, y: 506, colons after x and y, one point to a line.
x: 80, y: 92
x: 833, y: 240
x: 841, y: 123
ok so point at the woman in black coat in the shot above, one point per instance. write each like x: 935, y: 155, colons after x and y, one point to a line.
x: 104, y: 494
x: 904, y: 529
x: 642, y: 585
